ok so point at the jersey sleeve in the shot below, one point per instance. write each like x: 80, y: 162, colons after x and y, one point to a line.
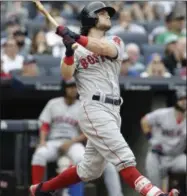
x: 119, y: 44
x: 45, y: 116
x: 153, y: 118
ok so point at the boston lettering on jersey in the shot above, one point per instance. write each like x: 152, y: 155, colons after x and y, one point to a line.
x: 92, y: 59
x: 63, y: 119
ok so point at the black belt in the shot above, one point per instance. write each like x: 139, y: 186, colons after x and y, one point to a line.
x: 107, y: 100
x: 158, y: 152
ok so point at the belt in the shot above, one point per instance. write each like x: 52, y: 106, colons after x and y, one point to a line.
x: 107, y: 100
x: 158, y: 152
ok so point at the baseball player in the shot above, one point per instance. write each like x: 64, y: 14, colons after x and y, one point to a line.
x: 96, y: 67
x: 59, y: 122
x: 166, y: 130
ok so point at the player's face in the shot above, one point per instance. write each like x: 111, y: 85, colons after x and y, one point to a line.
x: 104, y: 22
x: 182, y: 103
x: 71, y: 92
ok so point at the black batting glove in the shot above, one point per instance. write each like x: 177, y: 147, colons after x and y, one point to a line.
x: 68, y: 42
x: 64, y: 31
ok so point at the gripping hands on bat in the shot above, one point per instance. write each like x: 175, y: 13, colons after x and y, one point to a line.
x: 67, y: 34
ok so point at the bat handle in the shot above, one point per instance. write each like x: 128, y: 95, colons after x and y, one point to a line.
x: 74, y: 46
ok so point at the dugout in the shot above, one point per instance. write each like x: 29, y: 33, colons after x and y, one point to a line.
x: 22, y: 100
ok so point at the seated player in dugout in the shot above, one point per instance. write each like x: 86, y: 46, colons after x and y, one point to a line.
x: 165, y: 129
x: 59, y: 130
x: 95, y: 65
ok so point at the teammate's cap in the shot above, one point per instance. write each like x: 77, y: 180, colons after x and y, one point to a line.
x: 180, y: 94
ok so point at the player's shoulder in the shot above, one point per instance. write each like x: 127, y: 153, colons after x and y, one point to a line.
x: 55, y: 100
x: 164, y: 111
x: 114, y: 38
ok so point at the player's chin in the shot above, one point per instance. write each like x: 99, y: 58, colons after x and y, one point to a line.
x: 107, y: 27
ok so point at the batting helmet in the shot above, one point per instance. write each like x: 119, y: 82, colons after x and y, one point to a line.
x: 67, y: 83
x: 88, y: 14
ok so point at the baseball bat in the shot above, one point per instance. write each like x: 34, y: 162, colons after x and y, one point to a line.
x: 42, y: 9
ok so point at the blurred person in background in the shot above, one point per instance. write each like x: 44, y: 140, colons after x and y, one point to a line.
x: 160, y: 29
x: 176, y: 59
x: 3, y: 74
x: 165, y: 129
x: 170, y: 45
x: 23, y: 42
x: 155, y: 68
x: 126, y: 24
x: 39, y: 44
x: 166, y: 5
x: 176, y: 27
x: 30, y: 68
x: 142, y: 11
x: 19, y: 11
x: 12, y: 25
x: 53, y: 40
x: 133, y: 52
x: 11, y: 58
x: 125, y: 67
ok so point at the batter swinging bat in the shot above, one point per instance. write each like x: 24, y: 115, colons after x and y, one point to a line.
x: 42, y: 9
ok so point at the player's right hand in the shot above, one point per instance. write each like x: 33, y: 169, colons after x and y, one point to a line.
x: 64, y: 31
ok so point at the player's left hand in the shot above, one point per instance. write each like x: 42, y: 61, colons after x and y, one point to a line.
x: 68, y: 42
x: 66, y: 145
x: 64, y: 31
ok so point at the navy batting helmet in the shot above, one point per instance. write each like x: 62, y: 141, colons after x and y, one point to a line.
x: 67, y: 83
x: 88, y: 14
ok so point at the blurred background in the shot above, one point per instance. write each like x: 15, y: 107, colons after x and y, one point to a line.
x: 154, y: 66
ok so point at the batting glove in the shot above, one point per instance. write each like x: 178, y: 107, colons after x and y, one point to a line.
x: 68, y: 42
x: 64, y: 31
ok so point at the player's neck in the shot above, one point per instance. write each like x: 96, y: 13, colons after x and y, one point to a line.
x: 96, y: 33
x: 69, y: 101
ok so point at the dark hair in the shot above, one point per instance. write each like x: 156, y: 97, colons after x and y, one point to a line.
x: 84, y: 30
x: 169, y: 17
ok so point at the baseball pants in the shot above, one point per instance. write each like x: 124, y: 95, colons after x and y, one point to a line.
x: 101, y: 123
x: 157, y: 166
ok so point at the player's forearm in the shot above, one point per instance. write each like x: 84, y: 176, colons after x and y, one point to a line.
x: 80, y: 138
x: 43, y: 135
x: 98, y: 46
x: 67, y: 68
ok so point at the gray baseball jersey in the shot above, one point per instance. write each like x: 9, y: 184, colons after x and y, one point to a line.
x: 98, y: 74
x: 166, y: 132
x: 100, y: 121
x: 63, y: 119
